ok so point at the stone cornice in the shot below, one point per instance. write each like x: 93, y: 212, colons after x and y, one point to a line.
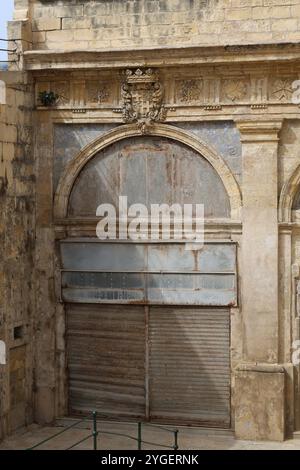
x: 164, y: 56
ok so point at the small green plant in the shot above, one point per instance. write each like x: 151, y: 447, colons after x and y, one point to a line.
x: 47, y: 98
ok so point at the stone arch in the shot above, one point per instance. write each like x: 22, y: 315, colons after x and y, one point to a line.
x: 74, y: 167
x: 288, y: 194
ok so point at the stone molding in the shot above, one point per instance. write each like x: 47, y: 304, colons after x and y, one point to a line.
x: 153, y: 57
x: 261, y: 367
x: 287, y: 195
x: 259, y: 130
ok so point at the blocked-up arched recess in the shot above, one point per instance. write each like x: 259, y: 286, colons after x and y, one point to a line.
x: 167, y: 166
x: 149, y: 170
x: 296, y: 202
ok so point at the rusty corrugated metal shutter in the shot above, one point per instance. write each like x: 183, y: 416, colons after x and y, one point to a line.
x: 189, y: 365
x: 106, y: 360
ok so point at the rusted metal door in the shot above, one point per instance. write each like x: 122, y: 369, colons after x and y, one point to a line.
x: 168, y: 364
x: 106, y: 360
x: 148, y: 330
x: 189, y: 365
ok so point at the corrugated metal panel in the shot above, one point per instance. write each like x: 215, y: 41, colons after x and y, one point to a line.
x: 93, y: 255
x: 148, y: 273
x: 189, y: 365
x: 106, y: 360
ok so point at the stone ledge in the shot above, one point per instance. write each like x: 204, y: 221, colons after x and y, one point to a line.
x: 268, y: 368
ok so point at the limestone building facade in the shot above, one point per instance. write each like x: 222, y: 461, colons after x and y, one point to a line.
x: 164, y: 101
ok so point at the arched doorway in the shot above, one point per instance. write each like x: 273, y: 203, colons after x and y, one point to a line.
x: 148, y: 322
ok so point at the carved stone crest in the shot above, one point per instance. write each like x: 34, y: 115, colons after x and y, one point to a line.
x: 142, y: 98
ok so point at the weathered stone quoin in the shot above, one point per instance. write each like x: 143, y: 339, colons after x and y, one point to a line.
x: 164, y: 101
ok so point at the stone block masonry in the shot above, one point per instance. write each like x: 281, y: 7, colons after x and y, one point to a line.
x: 121, y: 24
x: 16, y: 251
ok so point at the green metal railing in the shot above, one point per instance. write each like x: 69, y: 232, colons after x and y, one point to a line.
x: 97, y: 432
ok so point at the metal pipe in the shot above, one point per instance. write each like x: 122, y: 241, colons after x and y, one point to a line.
x: 176, y: 440
x: 95, y: 432
x: 139, y: 436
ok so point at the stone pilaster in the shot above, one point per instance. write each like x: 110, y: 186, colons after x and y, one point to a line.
x: 259, y: 296
x: 259, y: 379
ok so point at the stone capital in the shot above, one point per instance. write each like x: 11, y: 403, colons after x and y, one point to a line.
x: 259, y: 130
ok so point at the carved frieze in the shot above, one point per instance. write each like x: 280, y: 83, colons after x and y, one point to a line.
x: 138, y: 95
x: 212, y: 92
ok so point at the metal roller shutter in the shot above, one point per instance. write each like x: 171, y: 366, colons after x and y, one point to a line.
x: 189, y: 365
x: 106, y: 360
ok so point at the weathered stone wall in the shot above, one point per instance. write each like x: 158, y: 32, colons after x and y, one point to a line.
x: 256, y: 98
x: 16, y: 252
x: 79, y: 24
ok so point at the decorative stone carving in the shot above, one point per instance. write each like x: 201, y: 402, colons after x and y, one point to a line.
x: 234, y: 90
x: 190, y: 91
x: 281, y: 89
x: 142, y: 98
x: 259, y: 106
x: 213, y: 107
x: 98, y: 92
x: 211, y: 91
x: 78, y: 98
x: 259, y: 87
x: 62, y: 90
x: 129, y: 113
